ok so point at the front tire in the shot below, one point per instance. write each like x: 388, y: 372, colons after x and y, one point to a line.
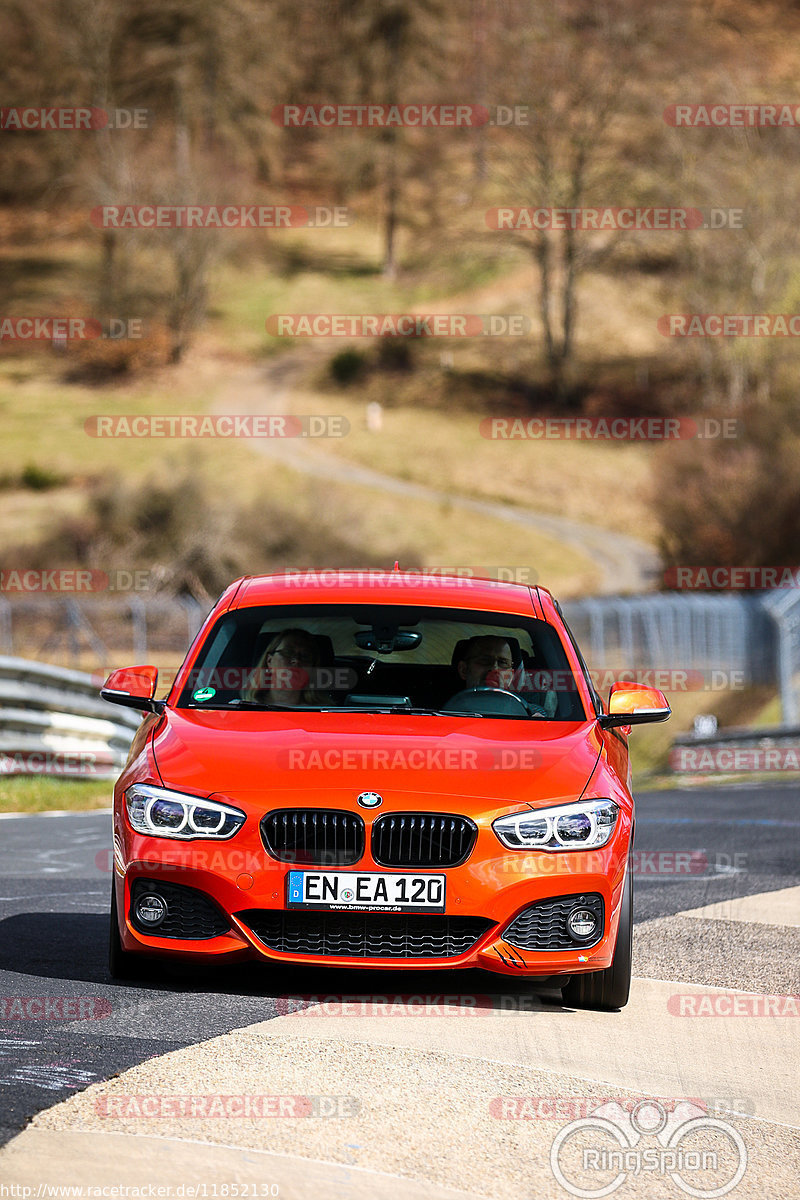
x: 121, y: 963
x: 609, y: 989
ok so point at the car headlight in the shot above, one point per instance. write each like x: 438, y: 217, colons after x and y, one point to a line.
x: 581, y: 825
x: 162, y: 813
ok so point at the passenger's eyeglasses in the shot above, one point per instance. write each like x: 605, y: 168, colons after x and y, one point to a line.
x: 300, y: 658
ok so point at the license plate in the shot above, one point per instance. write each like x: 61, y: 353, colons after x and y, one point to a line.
x: 371, y: 891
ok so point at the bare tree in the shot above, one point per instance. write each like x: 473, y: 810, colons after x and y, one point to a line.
x: 574, y: 63
x: 386, y: 52
x: 744, y: 263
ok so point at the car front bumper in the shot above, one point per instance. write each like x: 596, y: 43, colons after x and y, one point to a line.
x: 248, y: 889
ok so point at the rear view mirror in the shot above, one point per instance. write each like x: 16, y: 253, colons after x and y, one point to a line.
x: 385, y: 639
x: 634, y: 704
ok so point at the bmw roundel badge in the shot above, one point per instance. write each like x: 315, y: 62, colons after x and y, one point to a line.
x: 369, y: 800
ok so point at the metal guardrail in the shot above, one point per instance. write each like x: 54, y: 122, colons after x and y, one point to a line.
x: 783, y: 608
x: 753, y: 637
x: 106, y: 632
x: 53, y: 722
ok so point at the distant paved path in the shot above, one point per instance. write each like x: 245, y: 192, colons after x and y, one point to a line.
x: 625, y: 563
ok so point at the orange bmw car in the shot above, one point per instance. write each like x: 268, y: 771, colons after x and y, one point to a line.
x: 381, y: 770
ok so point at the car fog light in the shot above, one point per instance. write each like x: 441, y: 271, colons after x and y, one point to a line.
x: 582, y: 924
x: 150, y: 909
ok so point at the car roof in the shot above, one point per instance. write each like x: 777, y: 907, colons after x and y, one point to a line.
x: 398, y: 587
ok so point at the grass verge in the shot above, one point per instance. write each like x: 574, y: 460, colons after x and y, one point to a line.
x: 37, y: 793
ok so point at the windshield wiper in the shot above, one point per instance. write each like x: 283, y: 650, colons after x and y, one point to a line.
x: 257, y: 706
x: 413, y: 709
x: 445, y: 712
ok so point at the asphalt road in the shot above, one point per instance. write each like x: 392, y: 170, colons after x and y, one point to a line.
x: 693, y: 847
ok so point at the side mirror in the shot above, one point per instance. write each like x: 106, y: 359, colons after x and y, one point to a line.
x: 634, y: 704
x: 133, y: 687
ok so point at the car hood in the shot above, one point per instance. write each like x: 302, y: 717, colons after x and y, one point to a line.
x: 272, y: 759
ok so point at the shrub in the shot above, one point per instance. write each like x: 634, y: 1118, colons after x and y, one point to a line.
x: 347, y: 366
x: 394, y: 354
x: 732, y: 502
x: 40, y: 479
x: 95, y: 361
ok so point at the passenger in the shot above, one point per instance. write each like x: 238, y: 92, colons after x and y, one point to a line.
x: 288, y: 671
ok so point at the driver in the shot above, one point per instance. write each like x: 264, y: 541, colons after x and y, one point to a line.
x: 487, y: 662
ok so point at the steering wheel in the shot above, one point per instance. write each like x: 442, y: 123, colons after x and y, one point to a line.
x: 470, y: 699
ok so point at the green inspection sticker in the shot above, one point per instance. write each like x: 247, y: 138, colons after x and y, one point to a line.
x: 204, y: 693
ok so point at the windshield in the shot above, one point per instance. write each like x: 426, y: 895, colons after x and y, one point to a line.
x: 356, y: 658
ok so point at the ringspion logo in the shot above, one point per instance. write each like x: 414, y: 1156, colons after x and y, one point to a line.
x: 704, y: 1156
